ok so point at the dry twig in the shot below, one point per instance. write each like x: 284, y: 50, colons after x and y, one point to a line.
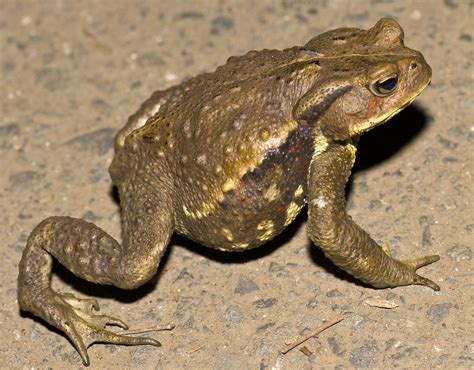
x: 195, y: 349
x: 311, y: 334
x: 306, y: 351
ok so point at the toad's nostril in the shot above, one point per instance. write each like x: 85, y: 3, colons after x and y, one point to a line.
x: 413, y: 66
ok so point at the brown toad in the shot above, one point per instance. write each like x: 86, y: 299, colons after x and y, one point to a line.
x: 228, y: 159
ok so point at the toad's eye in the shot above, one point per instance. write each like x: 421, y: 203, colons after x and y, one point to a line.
x: 385, y: 86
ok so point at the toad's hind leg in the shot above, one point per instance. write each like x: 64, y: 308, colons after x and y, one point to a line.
x: 341, y: 239
x: 92, y: 254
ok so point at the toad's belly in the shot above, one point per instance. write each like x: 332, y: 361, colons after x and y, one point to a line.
x: 265, y: 201
x: 242, y: 223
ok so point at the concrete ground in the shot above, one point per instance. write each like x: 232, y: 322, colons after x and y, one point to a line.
x: 71, y: 74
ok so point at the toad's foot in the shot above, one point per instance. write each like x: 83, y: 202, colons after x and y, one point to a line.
x: 414, y: 264
x: 75, y: 317
x: 407, y: 270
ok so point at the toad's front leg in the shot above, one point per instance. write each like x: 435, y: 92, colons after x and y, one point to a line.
x: 341, y: 239
x: 92, y: 254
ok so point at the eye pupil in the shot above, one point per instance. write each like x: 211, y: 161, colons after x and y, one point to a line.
x: 385, y: 87
x: 388, y: 85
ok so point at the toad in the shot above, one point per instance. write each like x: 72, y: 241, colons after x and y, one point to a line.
x: 228, y: 159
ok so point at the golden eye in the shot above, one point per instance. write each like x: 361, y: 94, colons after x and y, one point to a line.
x: 385, y: 86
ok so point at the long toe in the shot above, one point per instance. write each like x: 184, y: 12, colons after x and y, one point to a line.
x: 106, y: 336
x: 415, y: 264
x: 420, y: 280
x: 423, y: 261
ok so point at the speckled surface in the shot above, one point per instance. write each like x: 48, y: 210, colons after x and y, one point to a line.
x: 72, y: 72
